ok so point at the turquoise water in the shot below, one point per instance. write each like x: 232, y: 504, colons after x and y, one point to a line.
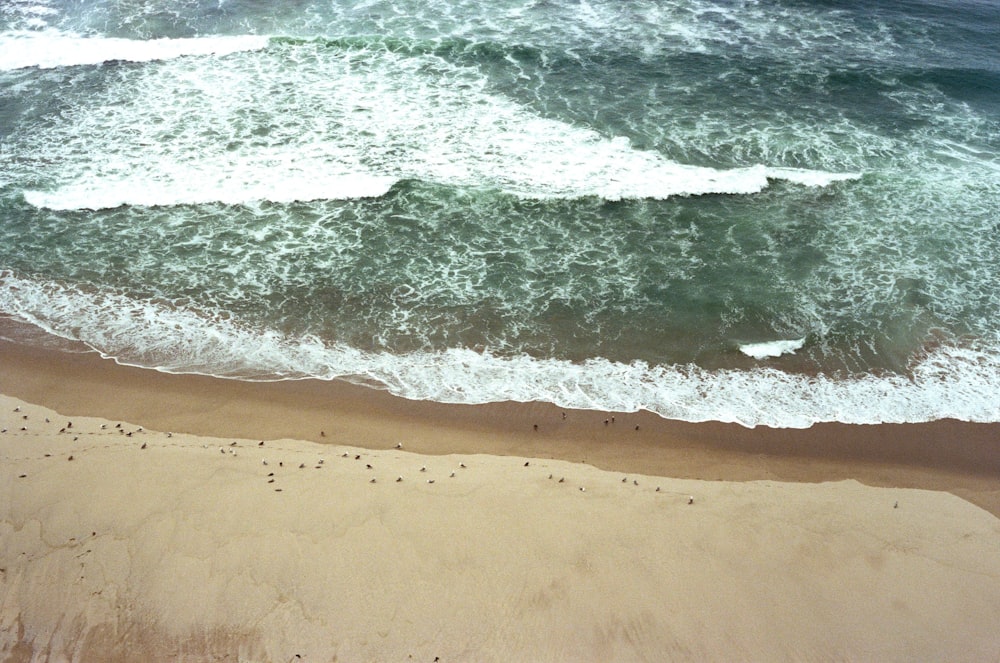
x: 765, y: 212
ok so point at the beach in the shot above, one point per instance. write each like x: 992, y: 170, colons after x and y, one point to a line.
x: 161, y: 517
x: 518, y: 331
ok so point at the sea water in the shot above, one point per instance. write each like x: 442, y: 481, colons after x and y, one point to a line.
x: 773, y: 212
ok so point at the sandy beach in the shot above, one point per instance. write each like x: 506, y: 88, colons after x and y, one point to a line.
x: 506, y: 332
x: 153, y: 517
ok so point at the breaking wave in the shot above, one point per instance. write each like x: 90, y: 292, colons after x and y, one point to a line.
x: 950, y: 381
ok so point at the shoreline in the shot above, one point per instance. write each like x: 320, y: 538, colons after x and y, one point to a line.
x: 229, y: 538
x: 958, y: 457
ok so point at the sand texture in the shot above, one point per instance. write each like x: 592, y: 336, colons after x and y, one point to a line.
x: 121, y: 544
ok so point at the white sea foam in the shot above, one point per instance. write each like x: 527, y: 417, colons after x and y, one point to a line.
x: 809, y: 177
x: 950, y: 382
x: 771, y: 348
x: 324, y: 181
x: 48, y: 49
x: 202, y: 130
x: 318, y: 185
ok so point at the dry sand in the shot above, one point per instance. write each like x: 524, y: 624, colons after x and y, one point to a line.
x: 152, y: 546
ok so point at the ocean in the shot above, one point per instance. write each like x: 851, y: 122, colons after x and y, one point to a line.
x: 770, y: 212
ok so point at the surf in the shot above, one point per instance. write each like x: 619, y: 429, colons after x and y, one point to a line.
x: 50, y: 49
x: 363, y: 120
x: 953, y: 380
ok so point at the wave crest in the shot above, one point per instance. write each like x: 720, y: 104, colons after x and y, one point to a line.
x: 111, y: 194
x: 50, y: 49
x: 219, y: 130
x: 772, y: 348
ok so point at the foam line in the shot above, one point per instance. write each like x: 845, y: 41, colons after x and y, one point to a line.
x: 672, y: 180
x: 51, y: 49
x: 771, y: 348
x: 949, y: 382
x: 111, y: 194
x: 817, y: 178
